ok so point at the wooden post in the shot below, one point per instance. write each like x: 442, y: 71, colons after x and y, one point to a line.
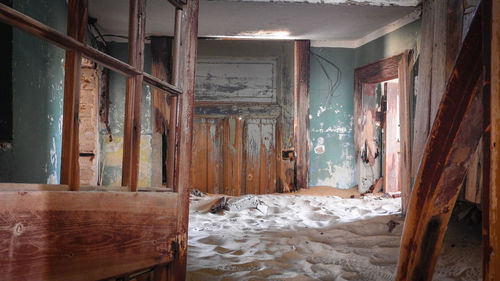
x: 172, y: 138
x: 132, y: 122
x: 301, y: 111
x: 182, y: 173
x: 161, y: 51
x: 453, y: 140
x: 77, y: 25
x: 492, y: 251
x: 405, y: 83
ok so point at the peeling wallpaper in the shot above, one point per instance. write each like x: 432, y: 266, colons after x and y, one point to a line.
x: 38, y: 89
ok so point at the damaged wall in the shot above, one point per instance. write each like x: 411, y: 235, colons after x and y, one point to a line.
x: 112, y: 152
x: 38, y: 89
x: 331, y: 119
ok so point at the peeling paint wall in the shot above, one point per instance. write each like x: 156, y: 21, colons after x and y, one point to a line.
x: 112, y: 152
x: 331, y: 120
x: 38, y: 89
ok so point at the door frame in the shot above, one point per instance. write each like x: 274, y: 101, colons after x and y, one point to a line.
x: 398, y: 66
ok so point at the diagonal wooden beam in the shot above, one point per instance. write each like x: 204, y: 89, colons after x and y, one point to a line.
x: 77, y: 25
x: 454, y: 137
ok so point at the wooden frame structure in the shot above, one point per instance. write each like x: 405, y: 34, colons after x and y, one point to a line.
x: 398, y: 66
x: 94, y: 233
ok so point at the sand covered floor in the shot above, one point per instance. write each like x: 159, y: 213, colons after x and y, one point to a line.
x: 302, y: 237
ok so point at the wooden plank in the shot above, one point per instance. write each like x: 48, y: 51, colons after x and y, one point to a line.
x: 36, y: 28
x: 80, y: 236
x: 422, y: 107
x: 199, y: 162
x: 454, y: 136
x: 491, y: 258
x: 251, y: 157
x: 77, y: 25
x: 405, y: 77
x: 161, y: 55
x: 178, y: 3
x: 473, y: 181
x: 182, y: 172
x: 214, y: 156
x: 65, y: 187
x: 301, y: 111
x: 454, y: 28
x: 132, y: 122
x: 268, y: 157
x: 233, y: 155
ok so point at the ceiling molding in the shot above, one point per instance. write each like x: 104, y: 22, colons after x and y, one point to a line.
x: 374, y: 3
x: 413, y: 16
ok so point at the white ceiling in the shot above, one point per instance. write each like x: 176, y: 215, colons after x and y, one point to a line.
x: 339, y: 24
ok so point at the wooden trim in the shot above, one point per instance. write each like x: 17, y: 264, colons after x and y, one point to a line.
x: 184, y: 132
x: 492, y: 256
x: 132, y: 122
x: 38, y: 29
x: 179, y: 4
x: 301, y: 111
x: 77, y: 26
x: 453, y: 139
x: 65, y: 187
x: 84, y: 235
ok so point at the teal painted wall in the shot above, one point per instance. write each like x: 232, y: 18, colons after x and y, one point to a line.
x: 332, y: 140
x: 38, y: 87
x: 394, y: 43
x: 331, y: 124
x: 111, y: 156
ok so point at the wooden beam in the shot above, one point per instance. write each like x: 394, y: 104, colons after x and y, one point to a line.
x: 38, y: 29
x: 405, y: 76
x: 77, y: 25
x: 453, y: 139
x: 132, y: 122
x: 84, y: 235
x: 182, y: 174
x: 179, y: 4
x: 301, y: 111
x: 492, y: 251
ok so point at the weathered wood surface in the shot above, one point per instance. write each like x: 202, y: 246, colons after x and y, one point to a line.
x: 453, y: 139
x: 132, y: 121
x: 77, y: 26
x: 236, y: 80
x: 441, y: 38
x: 31, y: 26
x: 161, y: 55
x: 301, y: 112
x: 184, y: 130
x: 491, y: 258
x: 405, y: 77
x: 233, y: 155
x: 474, y: 178
x: 65, y: 187
x: 84, y: 235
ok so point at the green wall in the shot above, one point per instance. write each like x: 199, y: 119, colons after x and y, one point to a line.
x: 331, y: 123
x: 112, y: 152
x: 38, y: 86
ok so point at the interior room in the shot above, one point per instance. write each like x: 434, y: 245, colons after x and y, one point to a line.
x: 249, y: 140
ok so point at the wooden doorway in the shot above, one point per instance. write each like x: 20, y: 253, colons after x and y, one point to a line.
x: 382, y: 124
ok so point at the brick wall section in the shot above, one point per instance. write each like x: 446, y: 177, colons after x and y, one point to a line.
x: 89, y: 134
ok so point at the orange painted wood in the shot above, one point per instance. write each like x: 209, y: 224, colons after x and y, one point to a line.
x: 453, y: 139
x: 199, y: 155
x: 214, y: 156
x: 301, y: 111
x: 233, y: 155
x: 252, y: 155
x: 84, y: 235
x: 132, y: 121
x: 77, y: 25
x: 182, y: 169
